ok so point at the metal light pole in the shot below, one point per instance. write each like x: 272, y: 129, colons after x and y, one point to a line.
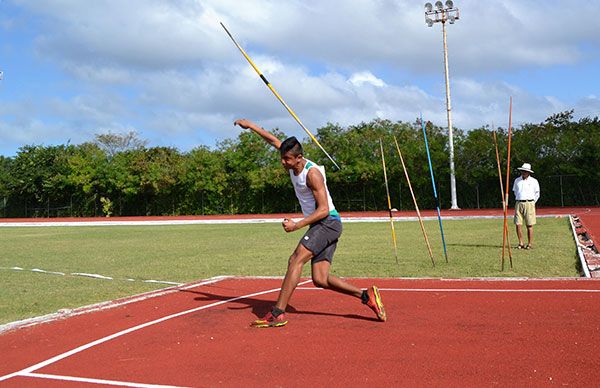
x: 448, y: 14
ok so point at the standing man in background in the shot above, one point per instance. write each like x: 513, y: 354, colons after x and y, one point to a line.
x: 527, y: 192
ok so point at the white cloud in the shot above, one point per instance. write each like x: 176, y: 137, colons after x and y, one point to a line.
x: 56, y: 120
x: 588, y: 106
x: 365, y: 77
x: 100, y: 74
x: 154, y: 34
x: 16, y: 134
x: 139, y: 34
x: 168, y: 69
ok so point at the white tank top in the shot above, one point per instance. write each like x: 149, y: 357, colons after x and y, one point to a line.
x: 304, y: 193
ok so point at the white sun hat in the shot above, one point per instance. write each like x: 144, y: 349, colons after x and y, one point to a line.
x: 525, y: 167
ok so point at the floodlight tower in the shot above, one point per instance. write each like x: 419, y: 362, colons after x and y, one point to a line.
x: 442, y: 14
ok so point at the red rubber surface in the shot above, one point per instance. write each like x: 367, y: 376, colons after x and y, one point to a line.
x: 581, y: 211
x: 432, y: 337
x: 591, y: 220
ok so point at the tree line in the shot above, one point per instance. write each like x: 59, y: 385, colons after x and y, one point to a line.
x: 119, y: 175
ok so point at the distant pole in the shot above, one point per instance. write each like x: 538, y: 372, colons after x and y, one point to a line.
x: 562, y: 202
x: 437, y: 200
x: 441, y: 15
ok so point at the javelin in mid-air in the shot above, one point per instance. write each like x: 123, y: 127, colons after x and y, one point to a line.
x: 278, y: 96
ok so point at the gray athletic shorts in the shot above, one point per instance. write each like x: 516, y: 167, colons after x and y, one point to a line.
x: 321, y: 238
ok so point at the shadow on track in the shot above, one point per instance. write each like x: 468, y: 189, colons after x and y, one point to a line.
x: 260, y: 307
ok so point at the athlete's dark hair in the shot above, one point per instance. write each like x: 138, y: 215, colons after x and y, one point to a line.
x: 291, y: 144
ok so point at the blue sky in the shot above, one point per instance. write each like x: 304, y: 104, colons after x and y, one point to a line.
x: 166, y: 69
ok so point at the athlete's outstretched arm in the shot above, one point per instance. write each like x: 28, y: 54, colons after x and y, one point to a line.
x: 267, y: 136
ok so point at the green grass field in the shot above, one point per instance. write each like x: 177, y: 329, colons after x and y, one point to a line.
x: 185, y: 253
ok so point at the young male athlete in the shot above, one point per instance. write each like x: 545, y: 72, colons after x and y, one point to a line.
x: 320, y: 240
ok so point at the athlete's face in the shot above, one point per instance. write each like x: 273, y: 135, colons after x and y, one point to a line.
x: 290, y: 161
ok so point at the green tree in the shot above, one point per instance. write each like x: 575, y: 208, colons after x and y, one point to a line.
x: 204, y: 182
x: 40, y: 175
x: 114, y: 143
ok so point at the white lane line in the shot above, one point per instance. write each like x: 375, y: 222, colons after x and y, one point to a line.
x: 96, y: 381
x: 40, y: 271
x: 492, y: 290
x: 158, y: 281
x: 89, y: 345
x: 89, y: 275
x: 138, y: 223
x: 66, y: 313
x: 243, y: 221
x: 579, y: 246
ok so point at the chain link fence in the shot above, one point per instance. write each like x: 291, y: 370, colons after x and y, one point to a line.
x: 556, y: 191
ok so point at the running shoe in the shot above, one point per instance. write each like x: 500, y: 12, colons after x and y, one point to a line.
x: 270, y: 321
x: 376, y: 304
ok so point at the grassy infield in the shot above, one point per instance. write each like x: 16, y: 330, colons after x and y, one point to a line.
x: 191, y: 252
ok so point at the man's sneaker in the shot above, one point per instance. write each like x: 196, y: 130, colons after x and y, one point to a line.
x: 375, y: 303
x: 270, y: 321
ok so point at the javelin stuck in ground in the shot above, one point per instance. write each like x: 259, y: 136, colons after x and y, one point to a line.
x: 287, y: 107
x: 437, y: 200
x: 505, y: 231
x: 387, y: 190
x: 504, y: 204
x: 412, y: 193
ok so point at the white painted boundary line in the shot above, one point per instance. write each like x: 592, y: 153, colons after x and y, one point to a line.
x: 237, y: 221
x: 67, y: 313
x: 95, y: 381
x: 489, y: 290
x: 584, y: 266
x: 140, y: 223
x: 29, y: 370
x: 89, y: 275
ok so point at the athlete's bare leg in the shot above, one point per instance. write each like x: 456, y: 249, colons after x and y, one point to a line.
x: 297, y: 260
x: 322, y: 278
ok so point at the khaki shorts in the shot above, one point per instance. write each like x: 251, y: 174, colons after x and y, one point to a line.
x: 525, y: 211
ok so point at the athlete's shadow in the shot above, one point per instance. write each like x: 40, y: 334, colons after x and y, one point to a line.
x: 260, y: 307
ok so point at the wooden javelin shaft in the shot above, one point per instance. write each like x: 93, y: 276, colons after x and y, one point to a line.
x: 504, y: 238
x: 387, y: 190
x: 501, y: 192
x: 415, y: 202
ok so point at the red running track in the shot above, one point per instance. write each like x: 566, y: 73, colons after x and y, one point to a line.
x: 439, y: 332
